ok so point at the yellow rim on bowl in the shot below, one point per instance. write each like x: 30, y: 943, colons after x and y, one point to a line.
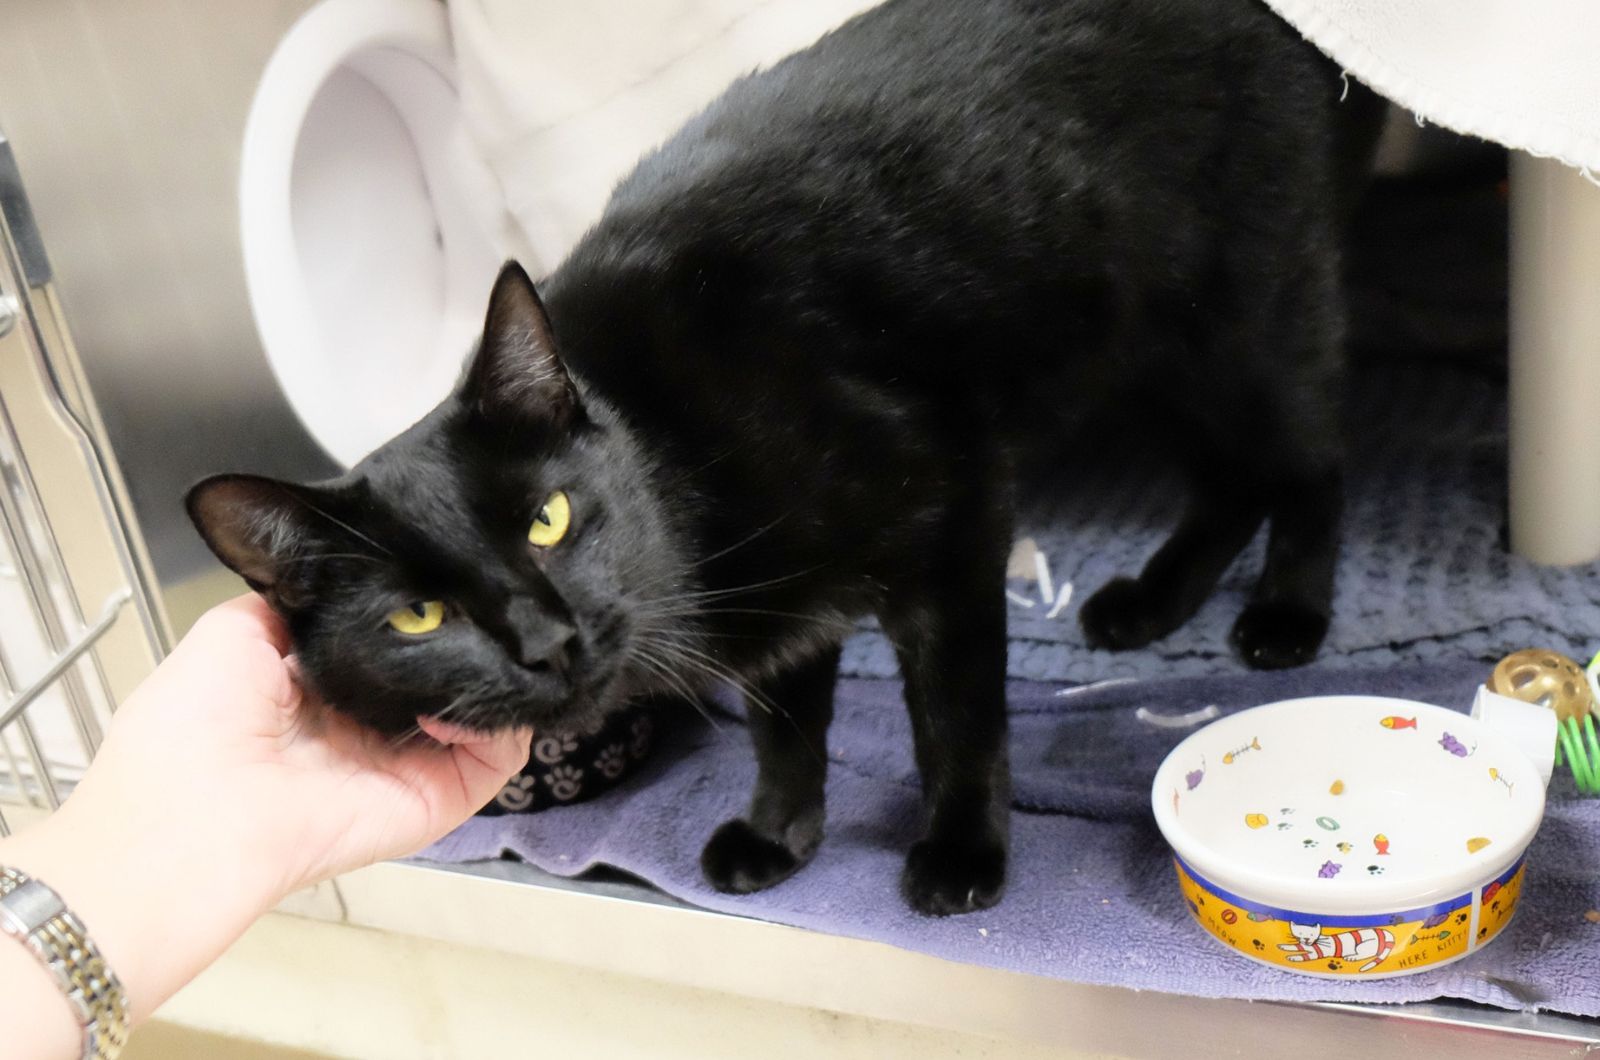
x: 1370, y: 946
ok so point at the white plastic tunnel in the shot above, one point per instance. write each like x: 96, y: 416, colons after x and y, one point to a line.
x: 370, y: 226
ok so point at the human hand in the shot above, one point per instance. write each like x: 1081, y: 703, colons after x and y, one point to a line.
x: 224, y: 722
x: 222, y: 786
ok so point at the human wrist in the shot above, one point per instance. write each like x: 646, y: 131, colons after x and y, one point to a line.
x: 32, y: 913
x: 159, y: 907
x: 50, y: 1029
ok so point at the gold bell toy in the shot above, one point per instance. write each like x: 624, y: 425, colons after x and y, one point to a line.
x: 1550, y: 679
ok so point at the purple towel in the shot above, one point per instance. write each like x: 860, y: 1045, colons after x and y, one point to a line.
x: 1420, y: 577
x: 1092, y: 895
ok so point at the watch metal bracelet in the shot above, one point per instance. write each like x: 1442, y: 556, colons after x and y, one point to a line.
x: 36, y: 916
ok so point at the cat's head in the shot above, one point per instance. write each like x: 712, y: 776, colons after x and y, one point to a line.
x: 494, y: 565
x: 1306, y: 934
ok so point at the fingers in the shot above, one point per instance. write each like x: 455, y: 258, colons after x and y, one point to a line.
x: 241, y: 643
x: 505, y: 751
x: 487, y: 763
x: 448, y: 733
x: 508, y: 752
x: 291, y: 699
x: 248, y: 616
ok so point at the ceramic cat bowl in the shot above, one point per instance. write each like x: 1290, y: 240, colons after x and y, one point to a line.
x: 1350, y: 836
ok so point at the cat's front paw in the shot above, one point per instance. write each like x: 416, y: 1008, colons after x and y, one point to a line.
x: 943, y: 878
x: 1121, y: 616
x: 737, y: 859
x: 1278, y: 635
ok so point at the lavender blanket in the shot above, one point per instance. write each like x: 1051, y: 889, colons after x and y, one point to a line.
x: 1421, y: 575
x: 1092, y: 896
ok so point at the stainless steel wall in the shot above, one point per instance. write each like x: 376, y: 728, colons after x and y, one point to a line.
x: 127, y: 118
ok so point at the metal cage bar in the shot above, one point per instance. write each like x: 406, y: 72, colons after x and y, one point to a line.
x: 54, y: 689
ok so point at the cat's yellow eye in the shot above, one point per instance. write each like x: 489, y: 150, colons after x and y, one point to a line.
x: 424, y: 616
x: 550, y: 525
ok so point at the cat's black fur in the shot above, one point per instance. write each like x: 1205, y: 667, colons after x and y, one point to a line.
x: 790, y: 375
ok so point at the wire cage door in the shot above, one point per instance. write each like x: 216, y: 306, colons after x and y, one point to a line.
x: 80, y: 624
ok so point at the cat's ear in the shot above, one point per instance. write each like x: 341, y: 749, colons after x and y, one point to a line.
x: 262, y: 529
x: 517, y: 378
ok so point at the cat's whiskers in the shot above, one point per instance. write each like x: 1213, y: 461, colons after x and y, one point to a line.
x: 318, y: 557
x: 741, y: 542
x: 341, y: 523
x: 711, y: 635
x: 641, y: 654
x: 444, y: 714
x: 465, y: 707
x: 686, y: 611
x: 716, y: 670
x: 657, y: 644
x: 691, y: 605
x: 711, y: 594
x: 705, y: 663
x: 676, y: 481
x: 737, y: 590
x: 405, y: 736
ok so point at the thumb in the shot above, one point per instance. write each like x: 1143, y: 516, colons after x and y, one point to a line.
x: 484, y: 761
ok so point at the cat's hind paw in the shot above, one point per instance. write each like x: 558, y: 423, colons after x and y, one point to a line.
x: 737, y: 859
x: 943, y: 878
x: 1278, y: 635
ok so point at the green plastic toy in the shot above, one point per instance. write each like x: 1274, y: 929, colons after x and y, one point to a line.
x: 1577, y: 746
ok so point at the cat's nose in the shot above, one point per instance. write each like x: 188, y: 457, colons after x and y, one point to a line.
x: 550, y: 649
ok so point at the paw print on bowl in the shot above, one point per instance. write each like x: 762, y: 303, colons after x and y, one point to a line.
x: 554, y: 747
x: 1258, y: 944
x: 1308, y: 843
x: 1334, y: 966
x: 1374, y: 870
x: 612, y: 761
x: 565, y: 782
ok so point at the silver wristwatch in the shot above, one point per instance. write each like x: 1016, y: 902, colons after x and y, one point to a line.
x: 37, y: 917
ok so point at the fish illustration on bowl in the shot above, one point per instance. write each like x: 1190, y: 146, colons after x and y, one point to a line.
x: 1396, y: 722
x: 1253, y: 745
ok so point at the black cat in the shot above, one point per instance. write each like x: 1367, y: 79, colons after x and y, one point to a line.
x: 783, y: 383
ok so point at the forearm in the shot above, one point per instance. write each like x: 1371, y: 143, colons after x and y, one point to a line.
x: 160, y: 899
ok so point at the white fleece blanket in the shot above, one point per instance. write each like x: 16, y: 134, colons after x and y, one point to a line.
x: 562, y: 98
x: 1525, y: 73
